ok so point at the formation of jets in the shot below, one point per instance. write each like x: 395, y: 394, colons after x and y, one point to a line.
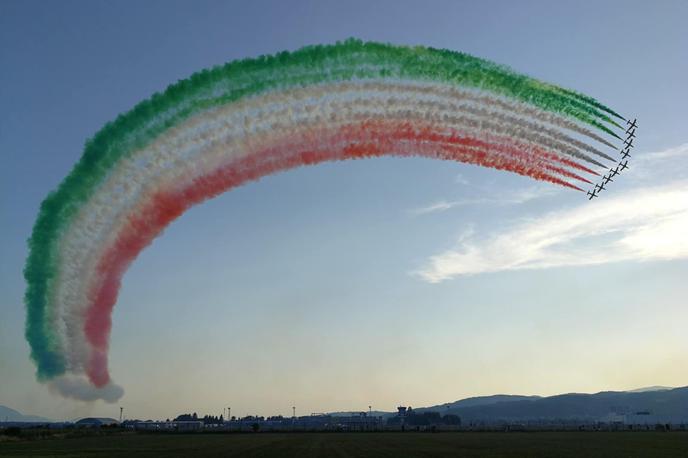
x: 620, y: 166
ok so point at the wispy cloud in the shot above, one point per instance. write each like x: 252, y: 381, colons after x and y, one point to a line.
x: 677, y: 152
x: 460, y: 179
x: 648, y: 224
x: 521, y: 196
x: 516, y: 197
x: 672, y: 162
x: 439, y: 206
x: 643, y: 224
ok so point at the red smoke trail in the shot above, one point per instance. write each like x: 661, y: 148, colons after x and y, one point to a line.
x: 369, y: 139
x: 420, y: 134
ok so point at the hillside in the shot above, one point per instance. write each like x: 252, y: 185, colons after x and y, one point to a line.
x: 7, y: 414
x: 658, y: 405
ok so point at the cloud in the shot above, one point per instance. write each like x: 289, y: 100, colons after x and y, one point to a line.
x: 460, y: 179
x: 438, y: 206
x: 677, y: 152
x: 670, y: 163
x: 640, y: 225
x: 521, y: 196
x: 507, y: 198
x: 79, y: 388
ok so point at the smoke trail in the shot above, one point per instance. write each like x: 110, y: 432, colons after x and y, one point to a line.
x: 203, y: 130
x: 259, y: 116
x: 81, y: 389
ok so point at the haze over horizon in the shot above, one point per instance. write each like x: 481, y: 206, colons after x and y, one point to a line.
x: 384, y: 281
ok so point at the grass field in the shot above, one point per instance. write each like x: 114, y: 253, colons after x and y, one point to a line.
x: 307, y: 445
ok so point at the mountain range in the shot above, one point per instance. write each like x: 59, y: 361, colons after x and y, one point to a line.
x: 655, y: 405
x: 7, y: 414
x: 652, y: 404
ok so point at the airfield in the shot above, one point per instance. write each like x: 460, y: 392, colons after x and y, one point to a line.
x: 373, y: 444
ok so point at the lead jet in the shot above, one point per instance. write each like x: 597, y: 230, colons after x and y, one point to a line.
x: 628, y: 143
x: 632, y: 125
x: 592, y: 194
x: 623, y: 165
x: 625, y: 154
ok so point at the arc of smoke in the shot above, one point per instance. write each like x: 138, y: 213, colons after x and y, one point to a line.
x: 235, y: 123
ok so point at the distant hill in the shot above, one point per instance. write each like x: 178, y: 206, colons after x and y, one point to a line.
x: 662, y: 405
x: 442, y: 408
x: 478, y: 401
x: 7, y: 414
x: 655, y: 403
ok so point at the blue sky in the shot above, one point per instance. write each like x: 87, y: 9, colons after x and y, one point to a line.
x: 383, y: 282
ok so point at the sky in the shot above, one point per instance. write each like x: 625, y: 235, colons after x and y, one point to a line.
x: 381, y: 282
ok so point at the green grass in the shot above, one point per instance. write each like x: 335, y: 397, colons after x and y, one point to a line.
x: 378, y: 445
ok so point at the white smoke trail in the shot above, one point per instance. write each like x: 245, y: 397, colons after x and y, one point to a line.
x: 80, y: 388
